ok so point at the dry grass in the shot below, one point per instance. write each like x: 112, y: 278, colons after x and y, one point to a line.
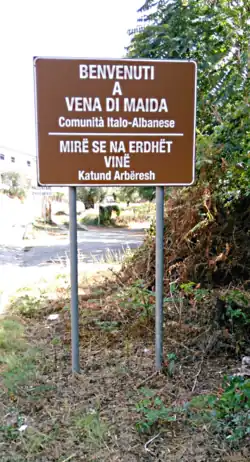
x: 92, y: 416
x: 204, y: 242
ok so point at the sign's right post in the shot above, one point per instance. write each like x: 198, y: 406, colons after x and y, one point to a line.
x: 159, y: 277
x: 74, y: 281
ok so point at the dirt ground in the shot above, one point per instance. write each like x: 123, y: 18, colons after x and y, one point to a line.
x: 48, y: 414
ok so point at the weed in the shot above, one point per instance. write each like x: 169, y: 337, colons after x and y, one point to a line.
x: 108, y: 326
x: 171, y: 363
x: 153, y: 411
x: 24, y: 289
x: 62, y: 276
x: 16, y: 356
x: 139, y: 298
x: 238, y: 297
x: 56, y: 341
x: 191, y: 289
x: 92, y: 428
x: 225, y: 413
x: 236, y: 306
x: 10, y: 431
x: 18, y: 370
x: 28, y: 305
x: 35, y: 392
x: 90, y: 220
x: 11, y: 336
x: 113, y: 256
x: 34, y: 441
x: 66, y: 308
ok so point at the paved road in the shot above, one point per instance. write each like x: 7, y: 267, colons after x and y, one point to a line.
x: 93, y: 245
x: 19, y: 265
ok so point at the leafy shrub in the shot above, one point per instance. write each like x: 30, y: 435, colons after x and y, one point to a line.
x: 153, y: 411
x: 18, y: 184
x: 225, y: 413
x: 105, y: 213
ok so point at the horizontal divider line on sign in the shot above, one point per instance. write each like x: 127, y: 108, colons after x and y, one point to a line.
x: 114, y: 134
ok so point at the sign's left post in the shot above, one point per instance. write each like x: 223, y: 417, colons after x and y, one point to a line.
x: 74, y: 280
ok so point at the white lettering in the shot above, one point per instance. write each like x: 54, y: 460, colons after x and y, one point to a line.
x: 112, y: 104
x: 169, y: 145
x: 161, y: 146
x: 117, y: 89
x: 117, y: 72
x: 69, y: 103
x: 92, y: 122
x: 78, y: 146
x: 141, y: 122
x: 74, y: 146
x: 99, y: 146
x: 83, y: 70
x: 117, y: 146
x: 134, y: 176
x: 92, y: 73
x: 126, y: 161
x: 117, y: 161
x: 117, y: 123
x: 107, y: 161
x: 77, y: 103
x: 85, y: 145
x: 80, y: 174
x: 64, y: 146
x: 93, y: 176
x: 145, y: 105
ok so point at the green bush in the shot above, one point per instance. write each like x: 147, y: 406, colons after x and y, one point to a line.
x: 225, y: 413
x: 18, y: 184
x: 105, y: 213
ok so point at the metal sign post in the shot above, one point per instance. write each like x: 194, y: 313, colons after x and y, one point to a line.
x: 74, y: 280
x: 159, y: 274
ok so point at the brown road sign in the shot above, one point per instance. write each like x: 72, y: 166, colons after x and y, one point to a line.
x: 115, y: 122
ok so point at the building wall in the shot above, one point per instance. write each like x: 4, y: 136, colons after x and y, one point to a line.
x: 12, y: 160
x: 18, y: 161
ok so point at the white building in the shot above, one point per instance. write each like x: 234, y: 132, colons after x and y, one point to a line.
x: 12, y: 160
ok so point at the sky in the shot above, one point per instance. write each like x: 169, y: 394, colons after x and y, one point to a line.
x: 71, y: 28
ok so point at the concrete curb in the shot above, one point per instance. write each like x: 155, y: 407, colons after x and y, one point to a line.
x: 79, y: 227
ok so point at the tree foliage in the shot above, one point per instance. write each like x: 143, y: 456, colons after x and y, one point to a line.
x: 18, y: 184
x: 135, y: 193
x: 90, y: 196
x: 212, y: 32
x: 147, y: 193
x: 223, y: 158
x: 127, y: 194
x: 215, y: 33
